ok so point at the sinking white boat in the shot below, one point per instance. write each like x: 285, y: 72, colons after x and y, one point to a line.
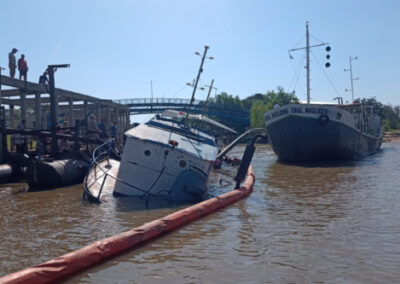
x: 168, y: 156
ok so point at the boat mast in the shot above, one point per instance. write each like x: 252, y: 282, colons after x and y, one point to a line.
x: 351, y: 77
x: 308, y: 48
x: 208, y: 96
x: 198, y: 76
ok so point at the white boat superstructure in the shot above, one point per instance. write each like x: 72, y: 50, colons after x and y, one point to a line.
x: 165, y: 157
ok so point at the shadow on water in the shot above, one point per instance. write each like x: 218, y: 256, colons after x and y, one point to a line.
x: 310, y: 179
x: 320, y: 164
x: 127, y: 204
x: 132, y: 203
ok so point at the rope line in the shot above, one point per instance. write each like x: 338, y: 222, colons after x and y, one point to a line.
x: 329, y: 80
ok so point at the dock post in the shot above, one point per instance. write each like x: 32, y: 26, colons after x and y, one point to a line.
x: 1, y: 68
x: 128, y: 120
x: 12, y: 121
x: 3, y: 136
x: 53, y: 119
x: 119, y: 125
x: 38, y: 117
x: 53, y: 106
x: 76, y: 135
x: 71, y: 112
x: 2, y: 125
x: 108, y: 117
x: 23, y: 104
x: 98, y: 112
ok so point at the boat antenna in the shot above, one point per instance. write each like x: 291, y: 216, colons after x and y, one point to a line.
x: 307, y: 48
x: 198, y: 75
x: 208, y: 96
x: 351, y: 77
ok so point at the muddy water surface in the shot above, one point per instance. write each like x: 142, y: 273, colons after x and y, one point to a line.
x: 325, y: 223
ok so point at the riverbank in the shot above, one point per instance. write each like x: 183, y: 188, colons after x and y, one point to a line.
x: 389, y: 136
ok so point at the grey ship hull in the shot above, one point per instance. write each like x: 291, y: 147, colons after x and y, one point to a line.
x: 298, y: 138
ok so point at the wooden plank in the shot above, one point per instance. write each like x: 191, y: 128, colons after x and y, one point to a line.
x: 12, y: 93
x: 32, y: 88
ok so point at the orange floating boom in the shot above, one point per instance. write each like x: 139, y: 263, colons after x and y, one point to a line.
x: 65, y: 266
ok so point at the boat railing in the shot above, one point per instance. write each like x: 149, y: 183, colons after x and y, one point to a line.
x: 101, y: 153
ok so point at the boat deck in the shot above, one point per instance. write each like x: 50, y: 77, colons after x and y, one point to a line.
x: 102, y: 177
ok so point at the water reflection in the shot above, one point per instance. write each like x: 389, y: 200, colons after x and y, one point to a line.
x: 306, y: 180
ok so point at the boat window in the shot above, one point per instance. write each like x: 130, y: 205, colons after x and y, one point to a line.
x: 147, y: 152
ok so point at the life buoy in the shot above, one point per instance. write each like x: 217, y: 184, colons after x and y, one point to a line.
x: 323, y: 119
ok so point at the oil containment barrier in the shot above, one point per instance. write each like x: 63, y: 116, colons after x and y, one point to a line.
x: 67, y: 265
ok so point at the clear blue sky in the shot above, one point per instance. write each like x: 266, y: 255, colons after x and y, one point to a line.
x: 116, y: 48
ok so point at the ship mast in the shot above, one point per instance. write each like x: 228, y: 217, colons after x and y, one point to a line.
x: 351, y: 77
x: 308, y: 48
x: 198, y: 76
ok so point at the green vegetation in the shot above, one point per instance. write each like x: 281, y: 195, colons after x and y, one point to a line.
x: 263, y: 103
x: 253, y: 106
x: 227, y: 101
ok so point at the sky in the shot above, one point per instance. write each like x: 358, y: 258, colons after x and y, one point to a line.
x: 116, y: 48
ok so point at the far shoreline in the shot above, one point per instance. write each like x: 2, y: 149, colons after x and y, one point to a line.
x: 391, y: 136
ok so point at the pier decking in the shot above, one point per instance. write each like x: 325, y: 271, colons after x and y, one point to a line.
x: 68, y: 106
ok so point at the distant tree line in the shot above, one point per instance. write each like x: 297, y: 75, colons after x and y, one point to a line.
x: 254, y: 106
x: 257, y: 105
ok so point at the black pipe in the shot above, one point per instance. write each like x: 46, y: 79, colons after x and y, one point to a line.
x: 246, y: 160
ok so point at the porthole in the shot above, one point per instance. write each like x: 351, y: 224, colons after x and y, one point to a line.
x: 182, y: 163
x: 147, y: 152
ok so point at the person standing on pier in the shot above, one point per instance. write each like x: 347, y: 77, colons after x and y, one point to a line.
x: 12, y: 62
x: 103, y: 128
x: 22, y: 67
x: 43, y: 80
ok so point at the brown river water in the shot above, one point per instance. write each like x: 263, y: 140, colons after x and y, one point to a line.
x: 323, y: 223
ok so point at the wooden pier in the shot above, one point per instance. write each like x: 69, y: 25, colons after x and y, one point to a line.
x: 43, y: 107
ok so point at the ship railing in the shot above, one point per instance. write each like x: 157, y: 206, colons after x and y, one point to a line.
x: 103, y: 152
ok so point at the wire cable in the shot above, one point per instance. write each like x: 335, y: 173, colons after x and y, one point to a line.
x: 297, y: 72
x: 329, y: 80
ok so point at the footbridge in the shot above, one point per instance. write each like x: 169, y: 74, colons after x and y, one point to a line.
x: 156, y: 105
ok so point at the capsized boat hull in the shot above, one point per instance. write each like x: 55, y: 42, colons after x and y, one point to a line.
x: 164, y: 157
x: 155, y: 169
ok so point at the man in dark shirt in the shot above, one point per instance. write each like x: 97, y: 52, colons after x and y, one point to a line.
x: 43, y: 80
x: 103, y: 129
